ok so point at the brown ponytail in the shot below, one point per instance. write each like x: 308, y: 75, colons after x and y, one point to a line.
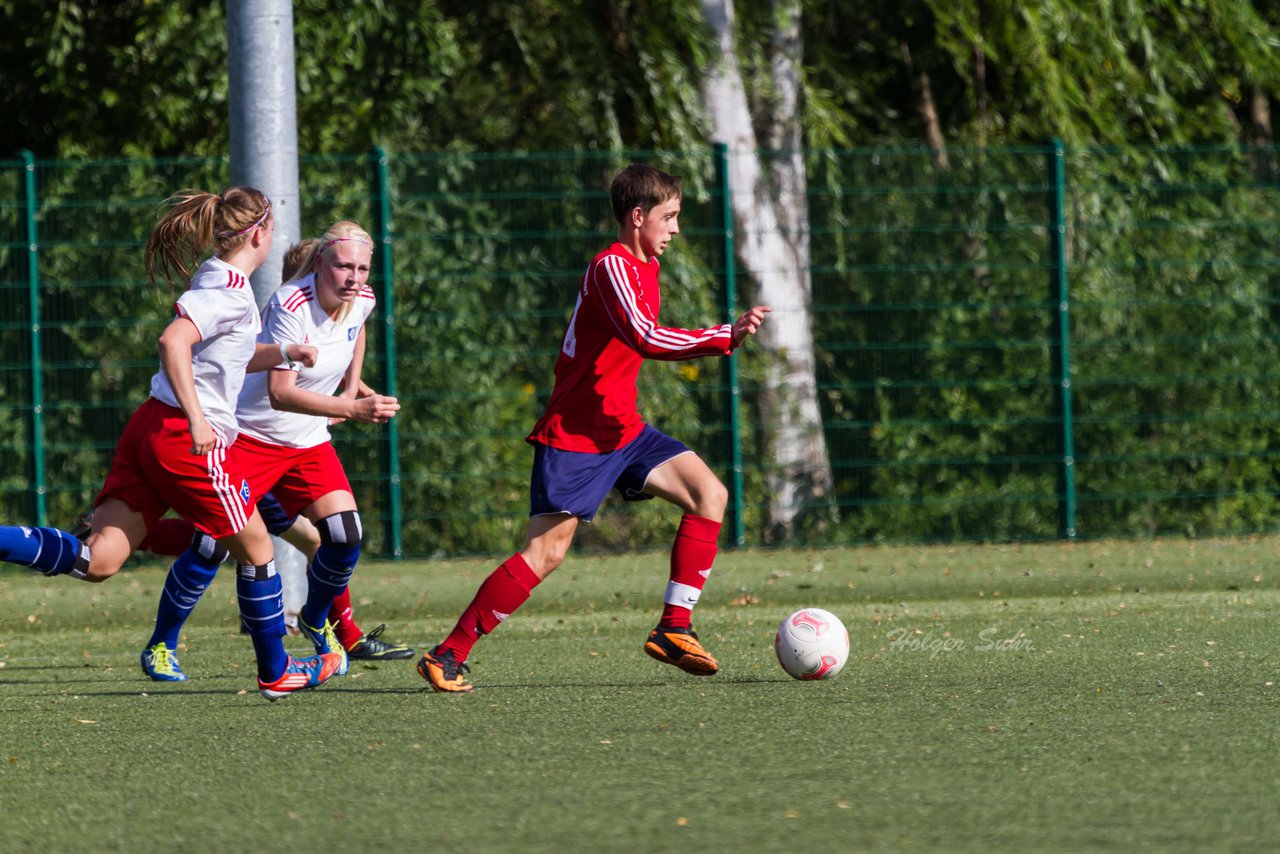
x: 201, y: 221
x: 294, y: 257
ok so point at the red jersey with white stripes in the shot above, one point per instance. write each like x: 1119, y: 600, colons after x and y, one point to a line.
x: 614, y: 328
x: 220, y: 302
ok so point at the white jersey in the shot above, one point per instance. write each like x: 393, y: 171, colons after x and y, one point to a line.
x: 220, y: 302
x: 293, y: 315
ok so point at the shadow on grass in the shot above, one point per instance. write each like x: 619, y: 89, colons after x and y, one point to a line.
x: 9, y: 667
x: 137, y: 692
x: 546, y: 686
x: 85, y: 687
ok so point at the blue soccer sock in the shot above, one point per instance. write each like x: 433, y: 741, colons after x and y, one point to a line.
x: 48, y: 550
x: 328, y: 575
x: 261, y: 597
x: 189, y: 576
x: 330, y: 569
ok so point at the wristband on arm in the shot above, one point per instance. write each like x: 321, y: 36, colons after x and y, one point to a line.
x: 284, y: 356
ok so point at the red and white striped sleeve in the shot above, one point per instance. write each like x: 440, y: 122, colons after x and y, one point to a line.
x: 635, y: 322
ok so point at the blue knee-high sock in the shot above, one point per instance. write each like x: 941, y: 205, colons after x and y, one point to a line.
x: 49, y: 550
x: 328, y: 575
x: 261, y: 598
x: 330, y: 569
x: 191, y: 574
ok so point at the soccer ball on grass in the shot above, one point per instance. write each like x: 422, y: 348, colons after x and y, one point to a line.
x: 812, y: 644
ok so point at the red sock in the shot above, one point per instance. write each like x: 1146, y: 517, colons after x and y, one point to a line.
x: 691, y: 557
x: 505, y: 590
x: 169, y: 537
x: 344, y: 624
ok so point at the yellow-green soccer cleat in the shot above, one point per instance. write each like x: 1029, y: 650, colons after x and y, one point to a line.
x: 161, y: 664
x: 325, y: 641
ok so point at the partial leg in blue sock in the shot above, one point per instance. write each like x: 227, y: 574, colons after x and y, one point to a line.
x: 330, y: 570
x: 48, y: 550
x: 261, y: 597
x: 189, y: 576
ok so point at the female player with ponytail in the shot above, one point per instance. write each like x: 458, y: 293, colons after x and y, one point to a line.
x: 180, y: 449
x: 284, y: 417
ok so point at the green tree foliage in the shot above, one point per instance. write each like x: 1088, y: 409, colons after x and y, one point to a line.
x: 1115, y: 72
x: 930, y: 254
x: 148, y: 78
x: 940, y: 376
x: 142, y: 77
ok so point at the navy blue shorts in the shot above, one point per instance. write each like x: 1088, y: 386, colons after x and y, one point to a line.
x: 576, y: 483
x: 278, y: 521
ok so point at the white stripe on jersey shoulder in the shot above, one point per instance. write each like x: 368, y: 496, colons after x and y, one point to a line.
x: 667, y: 339
x: 616, y: 269
x: 367, y: 293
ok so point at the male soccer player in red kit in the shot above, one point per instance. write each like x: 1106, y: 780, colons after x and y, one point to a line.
x: 591, y: 438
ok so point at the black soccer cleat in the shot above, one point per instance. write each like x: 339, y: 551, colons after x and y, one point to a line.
x: 372, y: 647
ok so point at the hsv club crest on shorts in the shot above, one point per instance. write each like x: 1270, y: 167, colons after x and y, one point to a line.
x: 245, y: 492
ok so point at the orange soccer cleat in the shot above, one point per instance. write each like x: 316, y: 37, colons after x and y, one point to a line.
x: 444, y: 672
x: 680, y: 648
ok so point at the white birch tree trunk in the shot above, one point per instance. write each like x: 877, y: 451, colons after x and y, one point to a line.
x: 772, y: 230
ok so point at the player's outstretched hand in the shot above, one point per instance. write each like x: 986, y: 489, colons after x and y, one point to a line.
x: 749, y: 322
x: 375, y: 409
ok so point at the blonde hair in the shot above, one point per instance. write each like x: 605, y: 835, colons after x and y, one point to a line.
x: 315, y: 247
x: 200, y: 221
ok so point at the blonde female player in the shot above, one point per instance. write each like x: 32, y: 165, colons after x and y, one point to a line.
x: 180, y: 450
x: 284, y: 417
x: 184, y: 587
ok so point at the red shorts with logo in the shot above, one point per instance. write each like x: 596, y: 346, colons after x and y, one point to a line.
x: 297, y: 477
x: 154, y: 471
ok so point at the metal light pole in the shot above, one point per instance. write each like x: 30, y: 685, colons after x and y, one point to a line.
x: 264, y: 129
x: 261, y: 91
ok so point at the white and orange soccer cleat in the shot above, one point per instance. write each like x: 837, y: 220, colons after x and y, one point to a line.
x: 302, y: 673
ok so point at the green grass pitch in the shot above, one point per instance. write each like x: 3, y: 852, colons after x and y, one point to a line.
x: 1095, y: 696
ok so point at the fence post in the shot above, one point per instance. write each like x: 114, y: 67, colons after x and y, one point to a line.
x: 386, y: 274
x: 37, y: 468
x: 1060, y: 333
x: 733, y: 395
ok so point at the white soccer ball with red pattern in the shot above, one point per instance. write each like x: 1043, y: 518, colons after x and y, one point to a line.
x: 812, y: 644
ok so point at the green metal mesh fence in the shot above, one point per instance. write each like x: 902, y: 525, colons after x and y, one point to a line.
x: 939, y: 296
x: 931, y: 301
